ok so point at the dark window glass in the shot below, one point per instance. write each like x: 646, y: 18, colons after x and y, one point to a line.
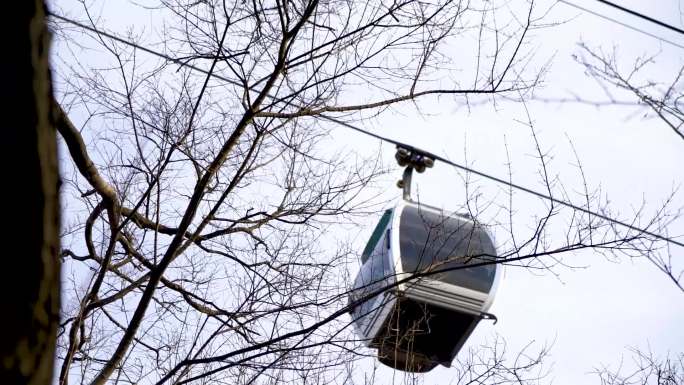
x: 375, y: 237
x: 432, y: 242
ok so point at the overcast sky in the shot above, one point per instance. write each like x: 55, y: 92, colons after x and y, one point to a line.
x: 593, y: 313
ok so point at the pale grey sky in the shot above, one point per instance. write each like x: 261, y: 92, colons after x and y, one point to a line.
x: 594, y: 313
x: 591, y: 315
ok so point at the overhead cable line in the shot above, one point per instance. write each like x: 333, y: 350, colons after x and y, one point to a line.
x: 642, y: 16
x: 389, y: 140
x: 505, y: 182
x: 622, y: 24
x: 180, y: 62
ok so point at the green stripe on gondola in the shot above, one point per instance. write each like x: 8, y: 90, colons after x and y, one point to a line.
x: 377, y: 234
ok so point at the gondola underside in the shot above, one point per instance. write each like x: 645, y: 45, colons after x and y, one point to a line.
x: 416, y: 337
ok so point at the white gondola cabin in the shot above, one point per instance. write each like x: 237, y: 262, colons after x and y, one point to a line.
x: 426, y: 280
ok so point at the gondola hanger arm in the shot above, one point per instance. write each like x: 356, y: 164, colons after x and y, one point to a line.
x: 411, y: 158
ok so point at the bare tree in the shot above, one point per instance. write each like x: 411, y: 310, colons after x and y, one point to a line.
x: 644, y: 369
x: 203, y: 201
x: 662, y: 98
x: 650, y: 95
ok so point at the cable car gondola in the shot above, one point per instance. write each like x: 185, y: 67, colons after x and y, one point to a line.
x: 426, y: 280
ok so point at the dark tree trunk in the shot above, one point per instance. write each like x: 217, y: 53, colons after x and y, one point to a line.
x: 30, y: 264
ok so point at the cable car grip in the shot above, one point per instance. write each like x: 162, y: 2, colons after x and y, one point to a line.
x: 411, y: 158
